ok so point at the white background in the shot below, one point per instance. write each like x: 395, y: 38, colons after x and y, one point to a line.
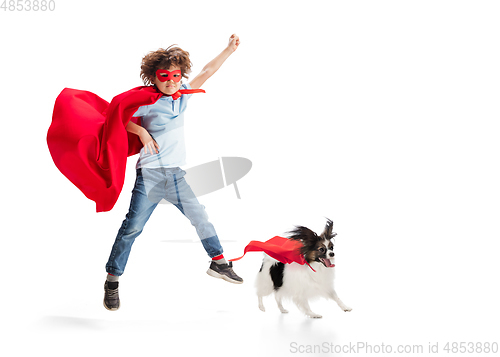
x: 381, y: 115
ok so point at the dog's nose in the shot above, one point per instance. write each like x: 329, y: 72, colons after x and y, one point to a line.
x: 332, y: 254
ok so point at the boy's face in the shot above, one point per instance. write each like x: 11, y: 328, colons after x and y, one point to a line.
x: 169, y: 86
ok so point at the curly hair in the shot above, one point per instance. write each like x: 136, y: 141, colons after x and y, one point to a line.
x: 163, y: 59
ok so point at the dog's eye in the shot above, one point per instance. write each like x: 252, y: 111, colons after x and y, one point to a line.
x: 322, y: 249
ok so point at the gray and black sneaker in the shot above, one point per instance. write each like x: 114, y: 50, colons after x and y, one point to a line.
x: 111, y: 298
x: 224, y: 271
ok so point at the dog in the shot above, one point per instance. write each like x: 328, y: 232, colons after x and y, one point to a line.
x: 299, y: 282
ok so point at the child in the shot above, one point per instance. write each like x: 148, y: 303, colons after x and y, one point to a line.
x: 158, y: 169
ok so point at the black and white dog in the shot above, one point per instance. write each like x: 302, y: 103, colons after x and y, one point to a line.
x: 299, y: 282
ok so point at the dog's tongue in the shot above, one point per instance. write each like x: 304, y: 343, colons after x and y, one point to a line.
x: 328, y: 263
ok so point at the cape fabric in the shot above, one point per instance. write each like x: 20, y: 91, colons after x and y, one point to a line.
x: 89, y: 143
x: 282, y: 249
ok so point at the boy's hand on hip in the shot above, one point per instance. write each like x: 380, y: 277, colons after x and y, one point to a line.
x: 148, y: 142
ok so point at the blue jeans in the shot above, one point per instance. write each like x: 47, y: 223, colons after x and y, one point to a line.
x: 152, y: 185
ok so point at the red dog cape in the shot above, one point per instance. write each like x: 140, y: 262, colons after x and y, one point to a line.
x: 282, y: 249
x: 89, y: 143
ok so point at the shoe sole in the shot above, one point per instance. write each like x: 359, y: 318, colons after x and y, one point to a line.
x: 216, y: 275
x: 110, y: 308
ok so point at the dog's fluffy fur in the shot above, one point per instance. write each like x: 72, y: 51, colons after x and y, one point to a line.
x: 299, y: 282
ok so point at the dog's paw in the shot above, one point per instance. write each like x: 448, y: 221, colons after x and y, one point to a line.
x: 346, y: 308
x: 314, y: 315
x: 283, y: 311
x: 262, y: 308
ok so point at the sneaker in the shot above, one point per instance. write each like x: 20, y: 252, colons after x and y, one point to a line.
x: 224, y: 271
x: 111, y: 298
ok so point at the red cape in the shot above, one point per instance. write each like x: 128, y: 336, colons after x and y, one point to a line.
x: 89, y: 143
x: 282, y: 249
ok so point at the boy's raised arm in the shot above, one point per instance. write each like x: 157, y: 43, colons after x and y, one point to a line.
x: 214, y: 65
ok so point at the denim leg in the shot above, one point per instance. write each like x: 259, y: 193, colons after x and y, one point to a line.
x: 139, y: 212
x: 180, y: 194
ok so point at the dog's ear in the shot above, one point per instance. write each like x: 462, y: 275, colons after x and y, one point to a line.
x: 328, y: 233
x: 307, y: 237
x: 304, y: 234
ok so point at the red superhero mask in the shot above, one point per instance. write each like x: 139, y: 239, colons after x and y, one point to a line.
x: 163, y: 75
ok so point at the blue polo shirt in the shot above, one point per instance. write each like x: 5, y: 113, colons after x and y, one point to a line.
x: 164, y: 121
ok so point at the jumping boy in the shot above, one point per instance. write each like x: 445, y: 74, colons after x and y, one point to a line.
x: 159, y: 175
